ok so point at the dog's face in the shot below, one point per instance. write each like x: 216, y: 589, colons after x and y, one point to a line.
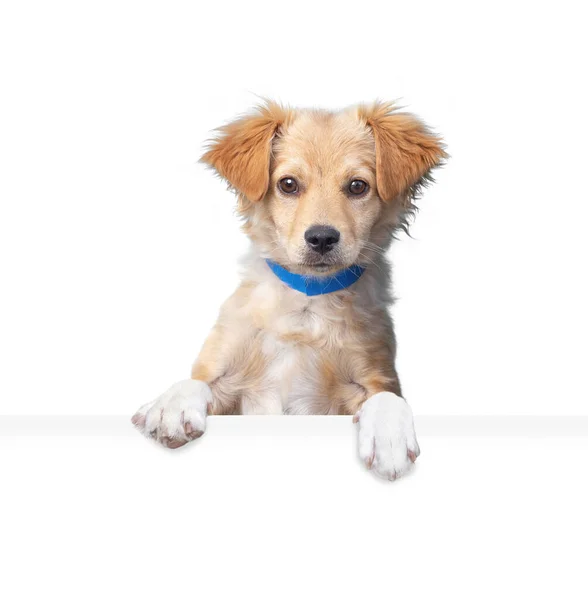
x: 321, y: 191
x: 322, y: 195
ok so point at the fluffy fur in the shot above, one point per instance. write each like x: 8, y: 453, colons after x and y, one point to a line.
x: 275, y: 350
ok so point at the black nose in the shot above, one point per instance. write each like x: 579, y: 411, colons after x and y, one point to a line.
x: 321, y: 238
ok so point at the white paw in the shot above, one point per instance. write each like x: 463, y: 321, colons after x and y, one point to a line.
x: 387, y: 441
x: 176, y: 417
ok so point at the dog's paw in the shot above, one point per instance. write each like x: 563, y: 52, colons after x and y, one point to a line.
x: 176, y: 417
x: 387, y: 441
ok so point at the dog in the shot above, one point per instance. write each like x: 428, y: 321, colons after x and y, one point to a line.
x: 308, y: 332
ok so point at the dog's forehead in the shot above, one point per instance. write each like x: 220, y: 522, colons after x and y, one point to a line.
x: 329, y: 141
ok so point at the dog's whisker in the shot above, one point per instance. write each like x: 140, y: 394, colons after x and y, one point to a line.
x: 371, y: 261
x: 374, y: 247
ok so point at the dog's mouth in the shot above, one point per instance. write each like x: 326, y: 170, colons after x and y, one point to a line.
x: 321, y: 267
x: 312, y: 263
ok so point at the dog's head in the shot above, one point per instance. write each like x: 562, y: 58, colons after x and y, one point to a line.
x: 321, y: 191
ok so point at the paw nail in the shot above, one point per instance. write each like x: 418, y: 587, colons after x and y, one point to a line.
x: 172, y: 443
x: 138, y: 420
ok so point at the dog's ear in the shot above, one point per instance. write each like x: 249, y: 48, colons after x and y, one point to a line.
x: 240, y: 153
x: 406, y: 151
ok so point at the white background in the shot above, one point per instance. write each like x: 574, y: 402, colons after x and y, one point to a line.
x: 112, y: 274
x: 112, y: 265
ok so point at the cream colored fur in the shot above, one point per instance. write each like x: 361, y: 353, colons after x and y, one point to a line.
x: 275, y: 350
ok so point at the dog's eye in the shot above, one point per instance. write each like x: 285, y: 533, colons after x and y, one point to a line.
x: 288, y: 185
x: 357, y: 187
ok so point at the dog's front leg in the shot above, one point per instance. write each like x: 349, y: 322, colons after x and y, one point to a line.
x: 386, y: 437
x: 178, y: 416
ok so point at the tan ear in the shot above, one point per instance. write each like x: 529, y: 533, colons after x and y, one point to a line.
x: 406, y: 150
x: 241, y: 151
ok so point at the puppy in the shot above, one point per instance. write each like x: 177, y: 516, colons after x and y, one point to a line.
x: 308, y: 330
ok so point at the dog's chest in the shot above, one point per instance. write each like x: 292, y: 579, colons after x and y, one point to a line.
x: 295, y: 347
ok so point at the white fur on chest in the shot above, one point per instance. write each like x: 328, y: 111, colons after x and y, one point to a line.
x: 293, y: 375
x: 292, y: 336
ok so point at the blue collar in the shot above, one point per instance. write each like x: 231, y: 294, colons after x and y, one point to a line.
x: 315, y: 286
